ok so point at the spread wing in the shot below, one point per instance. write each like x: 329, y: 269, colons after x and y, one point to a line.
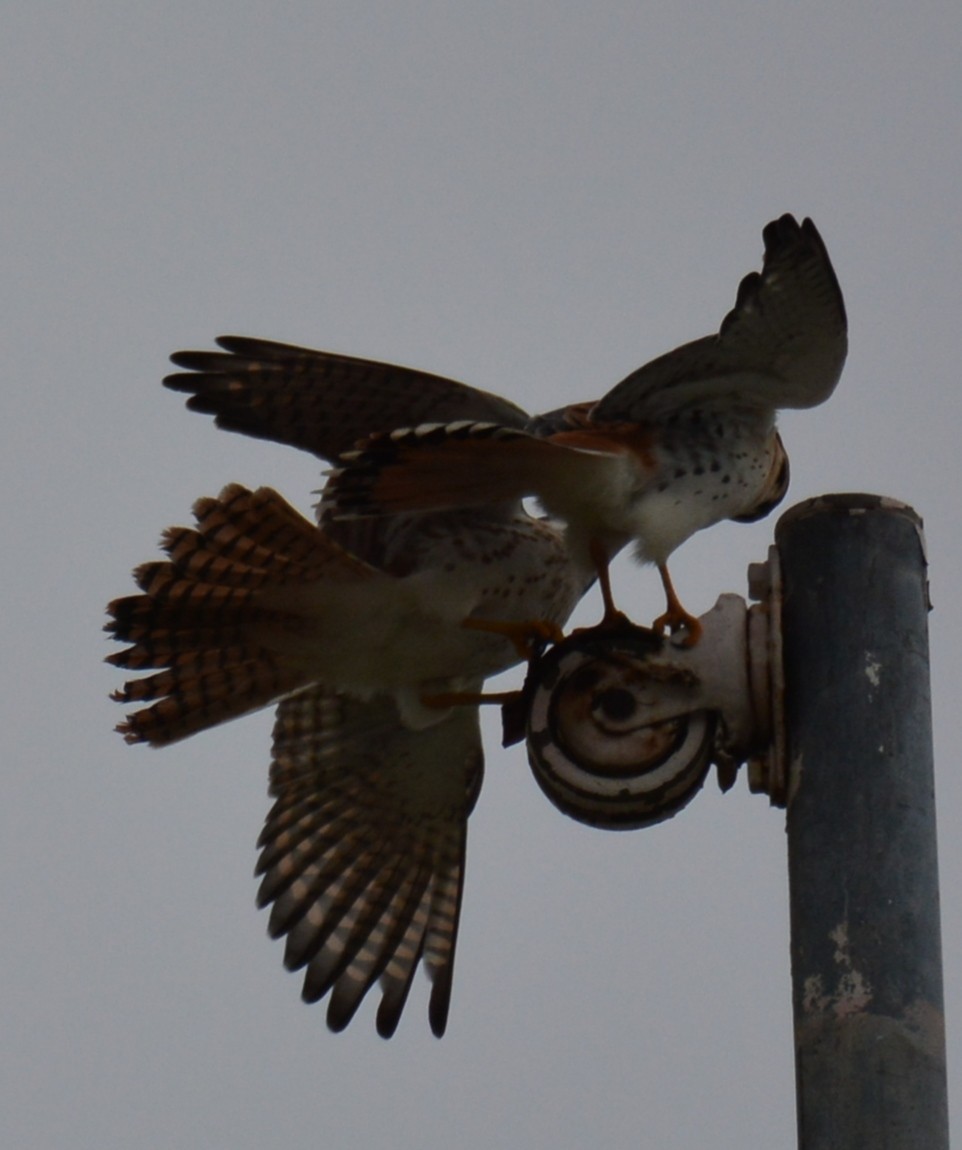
x: 362, y: 854
x: 437, y: 467
x: 782, y: 345
x: 320, y: 401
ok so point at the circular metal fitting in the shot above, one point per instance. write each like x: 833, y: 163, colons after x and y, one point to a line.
x: 612, y: 739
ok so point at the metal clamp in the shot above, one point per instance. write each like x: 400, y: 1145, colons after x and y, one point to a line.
x: 622, y: 725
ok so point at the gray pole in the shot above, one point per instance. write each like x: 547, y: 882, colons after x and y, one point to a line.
x: 866, y: 956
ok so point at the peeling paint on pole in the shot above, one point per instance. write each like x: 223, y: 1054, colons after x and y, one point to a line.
x: 866, y: 950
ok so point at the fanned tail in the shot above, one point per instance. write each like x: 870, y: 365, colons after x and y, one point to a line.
x: 202, y: 623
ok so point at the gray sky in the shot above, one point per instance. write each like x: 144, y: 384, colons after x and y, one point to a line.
x: 535, y: 198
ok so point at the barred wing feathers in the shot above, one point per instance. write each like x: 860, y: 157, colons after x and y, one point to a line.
x: 783, y: 345
x: 362, y: 855
x: 320, y: 401
x: 446, y: 466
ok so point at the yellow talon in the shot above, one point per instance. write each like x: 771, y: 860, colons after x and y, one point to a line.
x: 446, y: 699
x: 676, y: 617
x: 524, y: 636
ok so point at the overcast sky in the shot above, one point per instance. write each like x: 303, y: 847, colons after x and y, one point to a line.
x: 531, y: 197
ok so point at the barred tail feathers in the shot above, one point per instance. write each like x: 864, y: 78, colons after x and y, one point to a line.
x: 205, y: 615
x: 438, y: 467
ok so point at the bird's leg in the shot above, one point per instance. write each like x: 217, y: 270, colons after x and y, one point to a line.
x: 676, y: 616
x: 599, y: 556
x: 525, y: 636
x: 445, y: 699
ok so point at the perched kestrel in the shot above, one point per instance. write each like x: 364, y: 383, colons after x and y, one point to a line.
x: 682, y: 443
x: 362, y: 628
x: 362, y: 631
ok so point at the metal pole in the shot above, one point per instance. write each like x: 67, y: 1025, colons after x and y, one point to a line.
x: 866, y: 953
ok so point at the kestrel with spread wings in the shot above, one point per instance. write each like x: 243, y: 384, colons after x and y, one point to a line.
x: 363, y: 633
x: 421, y: 578
x: 686, y: 441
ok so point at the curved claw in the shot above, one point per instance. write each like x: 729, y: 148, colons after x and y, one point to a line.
x: 526, y: 637
x: 444, y: 700
x: 676, y: 618
x: 677, y: 621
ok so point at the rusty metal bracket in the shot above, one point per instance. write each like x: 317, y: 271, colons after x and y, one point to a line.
x: 623, y: 724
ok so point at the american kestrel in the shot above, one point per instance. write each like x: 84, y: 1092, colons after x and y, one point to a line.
x: 685, y: 441
x: 363, y: 631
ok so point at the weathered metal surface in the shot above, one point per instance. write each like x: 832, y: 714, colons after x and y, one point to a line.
x: 866, y: 952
